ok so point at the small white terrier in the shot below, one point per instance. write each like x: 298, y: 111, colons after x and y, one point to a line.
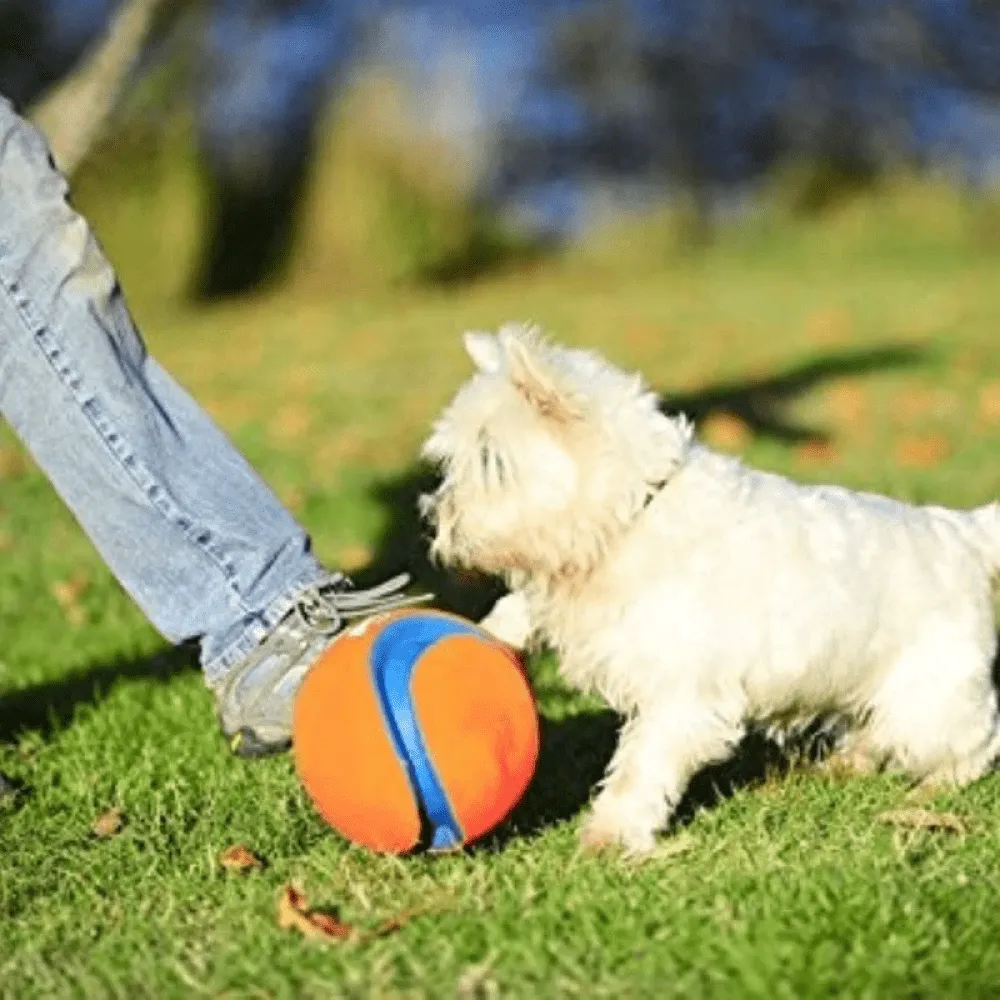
x: 699, y: 596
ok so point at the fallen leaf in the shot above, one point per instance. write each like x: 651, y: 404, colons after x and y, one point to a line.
x: 67, y: 594
x: 923, y: 450
x: 398, y: 922
x: 13, y: 464
x: 330, y: 926
x: 293, y: 497
x: 923, y: 819
x: 240, y: 859
x: 639, y: 335
x: 230, y: 411
x: 816, y: 452
x: 108, y: 824
x: 989, y: 403
x: 290, y: 423
x: 848, y: 402
x: 294, y: 914
x: 726, y: 431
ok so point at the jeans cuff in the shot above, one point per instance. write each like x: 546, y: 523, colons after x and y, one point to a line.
x: 257, y: 627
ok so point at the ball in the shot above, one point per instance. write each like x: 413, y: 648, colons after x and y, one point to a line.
x: 415, y: 730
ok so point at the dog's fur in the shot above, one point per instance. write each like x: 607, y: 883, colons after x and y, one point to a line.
x: 699, y: 596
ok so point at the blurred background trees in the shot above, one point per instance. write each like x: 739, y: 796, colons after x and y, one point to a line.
x: 495, y: 129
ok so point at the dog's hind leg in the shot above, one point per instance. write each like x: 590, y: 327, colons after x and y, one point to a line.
x: 936, y: 715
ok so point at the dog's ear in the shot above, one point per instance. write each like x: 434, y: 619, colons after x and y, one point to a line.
x: 485, y: 351
x: 530, y: 375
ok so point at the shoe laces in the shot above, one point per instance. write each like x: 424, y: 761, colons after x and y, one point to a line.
x: 325, y: 607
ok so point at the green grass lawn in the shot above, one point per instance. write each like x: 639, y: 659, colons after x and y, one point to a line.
x: 861, y: 349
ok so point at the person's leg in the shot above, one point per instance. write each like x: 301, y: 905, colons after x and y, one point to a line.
x: 192, y: 533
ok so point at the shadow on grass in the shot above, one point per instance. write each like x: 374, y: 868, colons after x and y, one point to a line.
x: 762, y: 403
x: 45, y: 708
x: 575, y: 752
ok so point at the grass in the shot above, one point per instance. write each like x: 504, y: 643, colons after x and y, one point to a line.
x: 859, y: 347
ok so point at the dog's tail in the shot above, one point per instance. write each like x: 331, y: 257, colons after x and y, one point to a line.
x: 986, y: 536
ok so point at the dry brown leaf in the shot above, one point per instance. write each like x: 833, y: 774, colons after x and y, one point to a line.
x: 816, y: 452
x: 923, y: 450
x: 108, y: 824
x: 726, y: 431
x: 330, y: 926
x: 398, y: 922
x: 291, y: 422
x: 989, y: 403
x: 639, y: 335
x: 13, y: 463
x: 294, y: 914
x: 848, y: 402
x: 923, y: 819
x: 240, y: 859
x: 67, y: 594
x: 230, y: 411
x: 293, y: 497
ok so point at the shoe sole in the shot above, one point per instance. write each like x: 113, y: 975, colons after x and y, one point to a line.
x: 248, y: 745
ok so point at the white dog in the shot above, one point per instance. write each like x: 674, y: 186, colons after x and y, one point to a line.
x: 699, y: 596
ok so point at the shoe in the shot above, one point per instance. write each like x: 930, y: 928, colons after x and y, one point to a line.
x: 256, y: 695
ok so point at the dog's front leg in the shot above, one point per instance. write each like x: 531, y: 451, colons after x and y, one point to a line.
x: 659, y: 751
x: 510, y: 620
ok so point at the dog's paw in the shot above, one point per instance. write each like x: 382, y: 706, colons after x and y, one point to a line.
x: 601, y: 834
x: 509, y: 622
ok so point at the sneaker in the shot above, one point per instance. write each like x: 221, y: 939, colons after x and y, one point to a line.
x: 256, y: 695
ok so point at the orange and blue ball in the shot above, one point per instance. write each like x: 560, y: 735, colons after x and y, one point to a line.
x: 415, y: 730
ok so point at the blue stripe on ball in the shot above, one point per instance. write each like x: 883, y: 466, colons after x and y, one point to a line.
x: 394, y: 657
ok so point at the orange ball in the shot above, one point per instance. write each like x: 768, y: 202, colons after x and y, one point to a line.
x: 415, y: 729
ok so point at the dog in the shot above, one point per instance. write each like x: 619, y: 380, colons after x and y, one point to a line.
x: 701, y: 597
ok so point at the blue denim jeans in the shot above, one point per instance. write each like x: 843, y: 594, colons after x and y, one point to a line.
x: 191, y: 532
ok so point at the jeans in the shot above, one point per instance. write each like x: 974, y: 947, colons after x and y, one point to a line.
x: 192, y: 533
